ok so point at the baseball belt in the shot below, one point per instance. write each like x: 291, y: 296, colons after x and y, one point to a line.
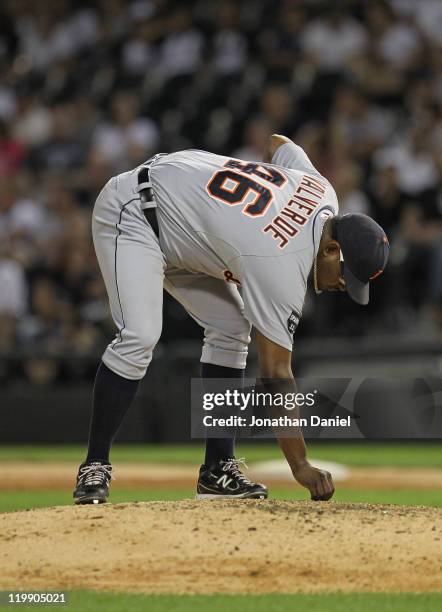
x: 147, y: 199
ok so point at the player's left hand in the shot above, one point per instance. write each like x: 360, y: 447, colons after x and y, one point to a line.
x: 318, y: 482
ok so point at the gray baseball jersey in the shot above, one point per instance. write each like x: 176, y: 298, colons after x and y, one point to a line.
x: 254, y: 224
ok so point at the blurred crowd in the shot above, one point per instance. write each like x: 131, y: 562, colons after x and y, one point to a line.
x: 91, y: 88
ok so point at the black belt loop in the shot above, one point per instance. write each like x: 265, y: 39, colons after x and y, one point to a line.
x: 146, y: 196
x: 144, y: 185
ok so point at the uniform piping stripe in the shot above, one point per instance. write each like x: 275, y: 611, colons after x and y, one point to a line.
x: 116, y: 341
x: 315, y: 219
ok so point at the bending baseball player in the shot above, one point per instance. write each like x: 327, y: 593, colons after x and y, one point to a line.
x: 234, y: 242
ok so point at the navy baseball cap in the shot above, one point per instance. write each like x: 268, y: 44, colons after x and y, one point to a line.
x: 364, y: 247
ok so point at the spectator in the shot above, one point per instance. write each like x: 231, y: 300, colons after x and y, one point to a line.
x: 33, y: 121
x: 279, y: 106
x: 138, y: 53
x: 414, y: 163
x: 331, y: 41
x: 397, y: 41
x: 91, y: 89
x: 281, y: 44
x: 358, y: 126
x: 347, y: 183
x: 230, y: 45
x: 181, y: 50
x: 13, y: 298
x: 63, y: 150
x: 127, y: 138
x: 256, y: 135
x: 386, y: 198
x: 45, y: 325
x: 12, y: 152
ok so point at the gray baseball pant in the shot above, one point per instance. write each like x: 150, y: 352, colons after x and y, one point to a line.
x: 135, y: 272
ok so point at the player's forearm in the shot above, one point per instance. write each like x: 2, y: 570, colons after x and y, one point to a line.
x: 290, y: 439
x: 275, y: 365
x: 294, y: 450
x: 275, y: 141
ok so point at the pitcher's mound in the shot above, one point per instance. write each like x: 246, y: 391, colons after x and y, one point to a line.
x: 225, y: 546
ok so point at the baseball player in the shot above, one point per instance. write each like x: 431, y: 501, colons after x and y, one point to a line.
x: 234, y: 242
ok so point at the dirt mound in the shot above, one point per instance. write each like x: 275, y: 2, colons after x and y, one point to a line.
x: 225, y: 546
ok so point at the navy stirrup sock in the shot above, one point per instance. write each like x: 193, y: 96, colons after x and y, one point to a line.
x: 112, y: 398
x: 220, y: 449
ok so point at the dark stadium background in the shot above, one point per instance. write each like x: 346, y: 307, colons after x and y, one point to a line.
x: 90, y: 89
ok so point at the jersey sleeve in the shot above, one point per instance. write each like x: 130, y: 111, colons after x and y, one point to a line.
x: 273, y: 292
x: 291, y: 155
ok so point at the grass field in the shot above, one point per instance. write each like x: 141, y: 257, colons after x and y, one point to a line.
x: 353, y: 454
x: 88, y: 601
x: 401, y: 455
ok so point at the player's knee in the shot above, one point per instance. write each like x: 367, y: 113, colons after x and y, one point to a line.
x: 239, y: 334
x: 233, y: 337
x: 244, y: 332
x: 147, y: 339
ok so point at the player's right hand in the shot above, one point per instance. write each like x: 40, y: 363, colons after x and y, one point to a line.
x: 318, y: 482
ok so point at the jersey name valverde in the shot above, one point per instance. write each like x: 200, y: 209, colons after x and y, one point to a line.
x: 255, y: 224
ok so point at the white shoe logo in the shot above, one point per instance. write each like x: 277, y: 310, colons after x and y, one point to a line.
x: 224, y: 481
